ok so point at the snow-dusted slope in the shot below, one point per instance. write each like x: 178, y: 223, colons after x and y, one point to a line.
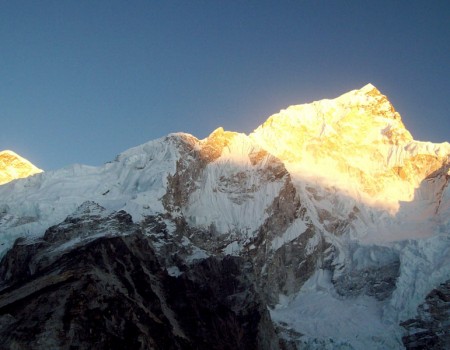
x: 236, y: 188
x: 225, y: 181
x: 338, y: 209
x: 135, y: 181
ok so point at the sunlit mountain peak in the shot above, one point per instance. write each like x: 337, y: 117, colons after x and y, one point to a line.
x: 359, y: 116
x: 356, y: 142
x: 13, y: 166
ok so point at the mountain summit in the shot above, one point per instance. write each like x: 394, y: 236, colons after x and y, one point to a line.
x: 13, y: 166
x: 356, y: 142
x: 326, y: 228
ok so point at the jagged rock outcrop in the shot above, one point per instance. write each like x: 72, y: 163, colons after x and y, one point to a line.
x: 368, y: 270
x: 431, y: 328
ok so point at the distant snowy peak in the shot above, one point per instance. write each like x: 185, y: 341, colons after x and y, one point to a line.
x: 13, y: 166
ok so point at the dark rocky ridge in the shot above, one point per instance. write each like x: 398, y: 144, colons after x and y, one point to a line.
x: 112, y: 293
x: 431, y: 328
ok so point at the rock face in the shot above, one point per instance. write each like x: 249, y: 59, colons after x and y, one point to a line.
x: 111, y: 292
x: 375, y: 278
x: 327, y: 227
x: 431, y: 328
x: 13, y: 166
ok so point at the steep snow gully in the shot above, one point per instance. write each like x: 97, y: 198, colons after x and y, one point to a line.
x: 328, y: 227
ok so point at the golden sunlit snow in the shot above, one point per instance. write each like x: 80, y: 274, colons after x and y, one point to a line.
x: 357, y: 143
x: 13, y: 166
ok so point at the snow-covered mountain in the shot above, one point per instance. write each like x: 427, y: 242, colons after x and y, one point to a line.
x: 329, y: 214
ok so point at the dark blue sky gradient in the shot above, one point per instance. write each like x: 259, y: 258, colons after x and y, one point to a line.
x: 81, y: 81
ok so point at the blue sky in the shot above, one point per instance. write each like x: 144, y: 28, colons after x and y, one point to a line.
x: 81, y: 81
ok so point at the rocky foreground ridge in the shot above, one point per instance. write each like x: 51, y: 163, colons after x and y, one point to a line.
x: 326, y: 228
